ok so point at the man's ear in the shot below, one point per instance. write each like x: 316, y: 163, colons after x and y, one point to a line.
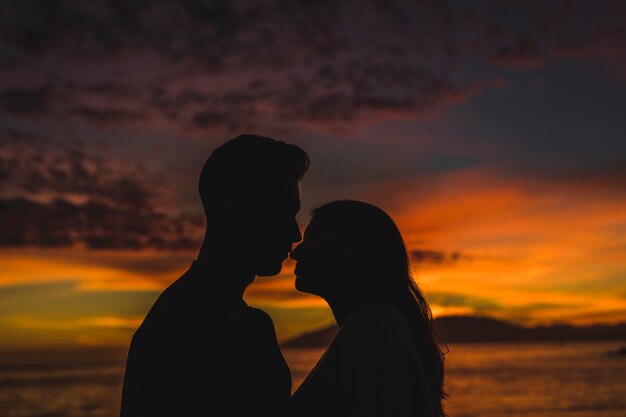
x: 233, y: 206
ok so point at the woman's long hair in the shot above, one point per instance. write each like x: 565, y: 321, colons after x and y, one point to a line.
x: 381, y: 268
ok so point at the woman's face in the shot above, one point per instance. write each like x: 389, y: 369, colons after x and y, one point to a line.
x: 321, y: 263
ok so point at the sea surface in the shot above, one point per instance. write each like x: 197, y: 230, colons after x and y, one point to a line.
x: 574, y: 379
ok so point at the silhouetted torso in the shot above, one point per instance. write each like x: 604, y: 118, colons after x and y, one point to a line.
x: 371, y: 368
x: 201, y: 350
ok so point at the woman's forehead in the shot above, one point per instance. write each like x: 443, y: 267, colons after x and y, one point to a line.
x: 318, y: 228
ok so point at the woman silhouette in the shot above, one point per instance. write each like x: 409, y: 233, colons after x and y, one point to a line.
x: 386, y: 359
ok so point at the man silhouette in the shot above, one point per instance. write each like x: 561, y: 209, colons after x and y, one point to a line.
x: 201, y: 350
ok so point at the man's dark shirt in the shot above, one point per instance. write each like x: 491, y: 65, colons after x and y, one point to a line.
x: 201, y: 350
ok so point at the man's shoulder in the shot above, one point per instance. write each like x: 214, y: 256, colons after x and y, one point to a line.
x: 172, y: 305
x: 169, y: 301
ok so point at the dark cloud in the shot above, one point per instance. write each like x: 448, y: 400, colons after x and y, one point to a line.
x: 524, y: 54
x: 479, y: 304
x: 606, y: 43
x: 99, y: 104
x: 106, y: 114
x: 26, y: 101
x: 246, y: 64
x: 45, y: 172
x: 95, y: 225
x: 68, y: 197
x: 434, y: 257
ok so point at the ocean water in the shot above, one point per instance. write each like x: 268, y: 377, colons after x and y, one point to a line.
x: 575, y: 379
x: 61, y: 383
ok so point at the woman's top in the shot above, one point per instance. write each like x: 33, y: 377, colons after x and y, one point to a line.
x: 371, y: 368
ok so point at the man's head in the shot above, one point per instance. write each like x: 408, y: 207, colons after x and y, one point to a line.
x: 249, y: 191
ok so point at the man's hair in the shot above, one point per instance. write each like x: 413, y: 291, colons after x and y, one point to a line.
x: 248, y: 164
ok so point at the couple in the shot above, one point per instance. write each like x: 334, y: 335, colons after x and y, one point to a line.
x: 202, y: 351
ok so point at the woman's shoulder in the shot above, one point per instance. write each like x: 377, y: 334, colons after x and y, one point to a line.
x: 377, y: 331
x: 377, y: 315
x: 375, y: 320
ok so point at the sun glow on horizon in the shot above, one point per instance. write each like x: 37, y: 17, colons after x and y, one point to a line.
x: 518, y: 251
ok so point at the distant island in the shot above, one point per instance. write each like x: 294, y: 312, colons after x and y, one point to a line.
x: 471, y: 329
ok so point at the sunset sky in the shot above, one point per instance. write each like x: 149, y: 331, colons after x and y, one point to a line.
x: 493, y: 132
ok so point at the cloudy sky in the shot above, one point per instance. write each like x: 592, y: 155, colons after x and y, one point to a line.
x: 493, y: 133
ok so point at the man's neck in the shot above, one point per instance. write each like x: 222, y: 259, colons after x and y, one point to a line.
x: 225, y: 272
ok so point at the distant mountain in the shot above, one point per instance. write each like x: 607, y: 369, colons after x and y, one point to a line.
x: 464, y: 329
x: 478, y: 329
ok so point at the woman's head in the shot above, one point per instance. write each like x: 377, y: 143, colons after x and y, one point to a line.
x: 353, y: 253
x: 351, y: 248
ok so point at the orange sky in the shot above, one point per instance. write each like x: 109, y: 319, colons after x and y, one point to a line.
x: 524, y: 252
